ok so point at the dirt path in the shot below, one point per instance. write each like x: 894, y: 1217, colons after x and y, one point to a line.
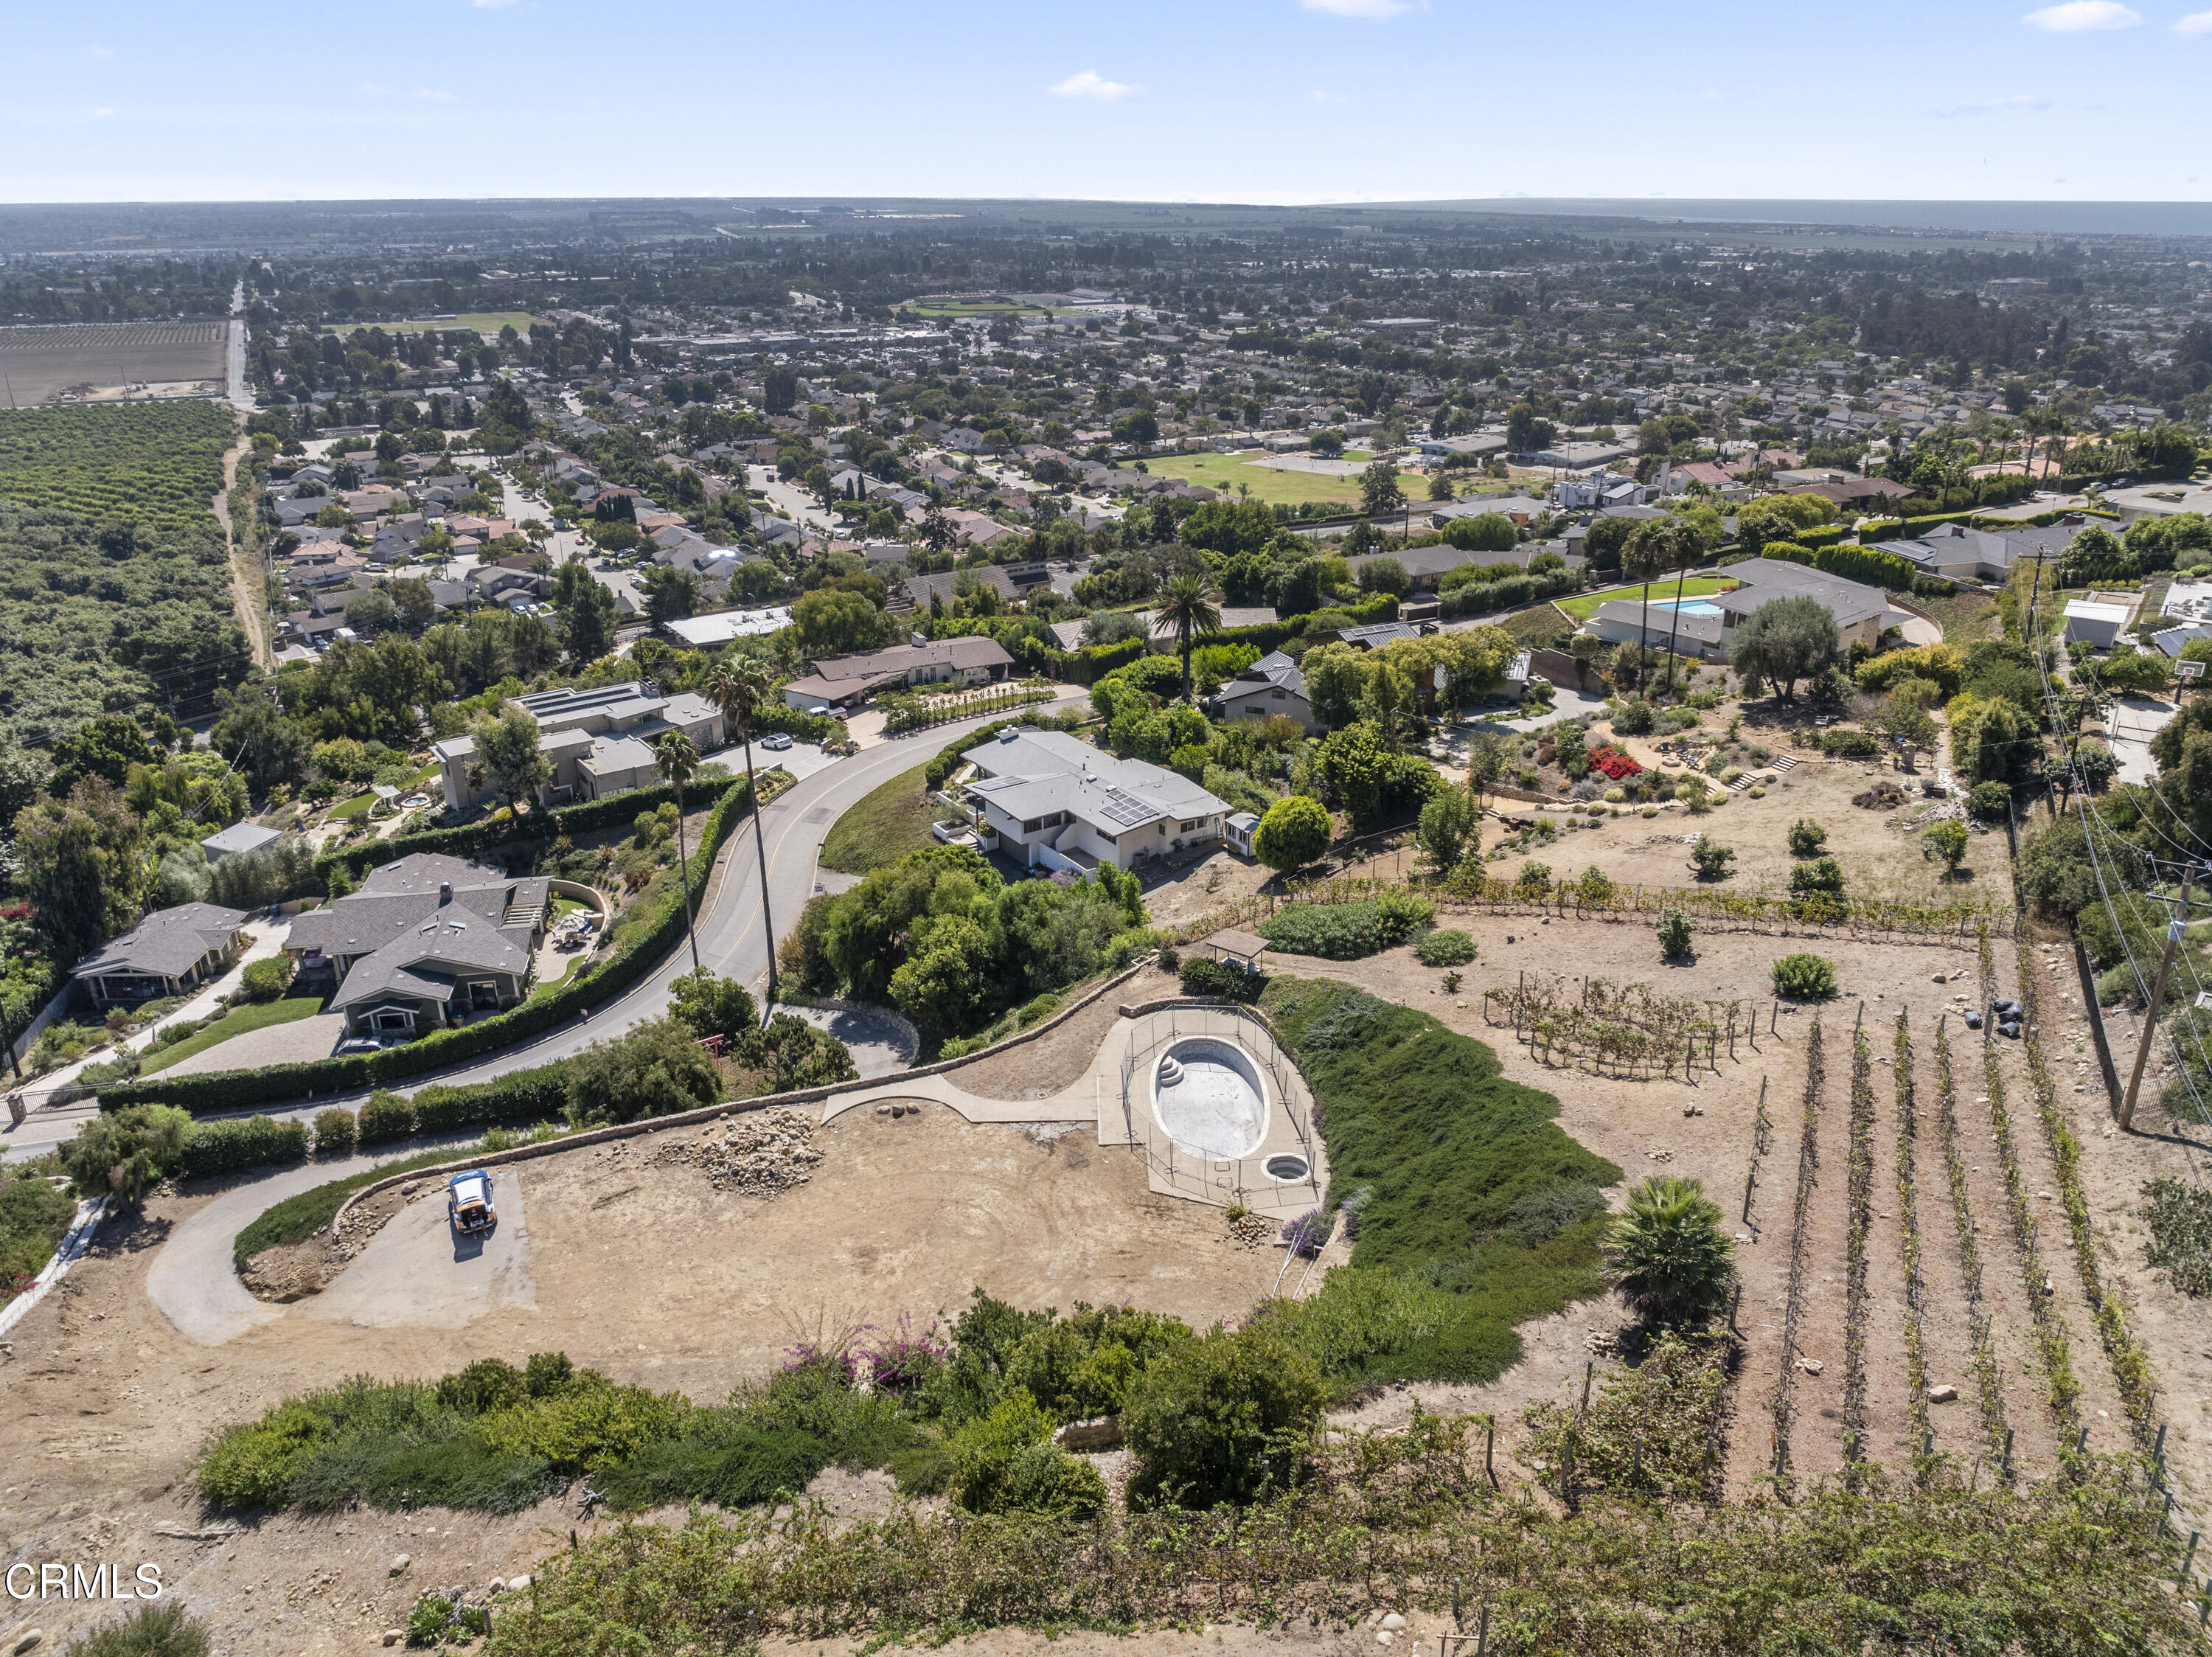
x: 246, y: 577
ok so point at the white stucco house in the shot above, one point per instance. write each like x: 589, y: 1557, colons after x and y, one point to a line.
x: 1056, y: 801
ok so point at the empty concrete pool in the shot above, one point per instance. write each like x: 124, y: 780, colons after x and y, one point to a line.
x: 1208, y: 1096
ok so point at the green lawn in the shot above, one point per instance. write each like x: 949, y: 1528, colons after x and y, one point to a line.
x: 236, y: 1023
x: 889, y: 823
x: 482, y: 321
x: 1223, y: 472
x: 353, y: 807
x: 1698, y: 587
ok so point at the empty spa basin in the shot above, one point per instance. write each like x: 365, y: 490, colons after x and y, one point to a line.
x: 1208, y: 1096
x: 1286, y: 1167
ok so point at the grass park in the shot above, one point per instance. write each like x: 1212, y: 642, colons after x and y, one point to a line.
x: 1225, y: 472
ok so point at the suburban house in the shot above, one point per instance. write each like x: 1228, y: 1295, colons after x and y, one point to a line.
x: 844, y: 681
x: 1952, y: 550
x: 1706, y: 625
x: 1272, y: 684
x: 170, y: 953
x: 1056, y: 801
x: 600, y: 741
x: 425, y: 942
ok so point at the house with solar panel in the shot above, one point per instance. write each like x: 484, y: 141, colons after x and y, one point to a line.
x: 1059, y: 802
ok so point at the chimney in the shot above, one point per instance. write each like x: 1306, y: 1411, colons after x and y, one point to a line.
x: 445, y: 892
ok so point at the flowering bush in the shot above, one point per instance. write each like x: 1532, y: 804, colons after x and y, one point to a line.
x: 1614, y: 762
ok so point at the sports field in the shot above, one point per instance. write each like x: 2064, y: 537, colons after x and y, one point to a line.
x: 1225, y: 472
x: 482, y: 321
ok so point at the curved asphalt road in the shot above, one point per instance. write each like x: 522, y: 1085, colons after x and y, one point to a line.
x: 731, y: 941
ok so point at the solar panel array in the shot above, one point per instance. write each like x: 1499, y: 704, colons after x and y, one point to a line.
x: 1126, y: 810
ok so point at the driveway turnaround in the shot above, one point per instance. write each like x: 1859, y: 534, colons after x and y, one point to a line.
x: 415, y: 1272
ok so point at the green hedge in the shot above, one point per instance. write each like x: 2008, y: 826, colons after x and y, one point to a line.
x: 1866, y: 564
x: 229, y: 1089
x: 253, y: 1141
x: 582, y: 817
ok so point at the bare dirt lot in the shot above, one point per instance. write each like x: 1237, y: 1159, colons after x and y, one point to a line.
x: 41, y: 361
x: 645, y: 1267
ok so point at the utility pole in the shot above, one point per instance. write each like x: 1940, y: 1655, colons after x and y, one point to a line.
x: 2175, y: 930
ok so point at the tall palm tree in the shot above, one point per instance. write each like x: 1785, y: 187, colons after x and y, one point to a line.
x: 1670, y: 1258
x: 741, y: 687
x: 1685, y: 549
x: 676, y: 759
x: 1643, y: 556
x: 1186, y: 605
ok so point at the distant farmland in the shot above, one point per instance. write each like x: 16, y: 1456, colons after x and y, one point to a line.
x: 39, y: 362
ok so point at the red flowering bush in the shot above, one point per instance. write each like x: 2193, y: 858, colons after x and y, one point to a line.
x: 1614, y: 762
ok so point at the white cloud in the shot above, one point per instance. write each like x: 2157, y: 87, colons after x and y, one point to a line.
x: 1091, y: 84
x: 494, y: 5
x: 2080, y: 16
x: 1321, y: 97
x: 1358, y: 8
x: 432, y: 94
x: 109, y: 52
x: 2197, y: 23
x: 102, y: 113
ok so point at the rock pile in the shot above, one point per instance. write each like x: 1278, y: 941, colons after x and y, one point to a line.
x: 758, y: 1154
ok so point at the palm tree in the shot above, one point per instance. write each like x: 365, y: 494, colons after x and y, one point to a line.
x: 740, y: 687
x: 1670, y: 1259
x: 1641, y: 557
x: 1685, y: 549
x: 1186, y: 605
x: 676, y: 759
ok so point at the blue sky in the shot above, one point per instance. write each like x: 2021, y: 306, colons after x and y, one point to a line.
x: 1266, y: 100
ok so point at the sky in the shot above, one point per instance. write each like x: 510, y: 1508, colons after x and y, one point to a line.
x: 1272, y: 101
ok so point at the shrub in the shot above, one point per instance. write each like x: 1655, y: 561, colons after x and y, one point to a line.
x: 1346, y: 932
x: 1712, y: 859
x: 1804, y: 977
x: 1005, y: 1462
x: 1294, y: 832
x: 1675, y: 932
x: 1636, y: 718
x: 1539, y: 1216
x: 1221, y: 1418
x: 266, y: 979
x: 335, y: 1133
x: 1209, y: 978
x: 1534, y: 877
x: 1990, y: 802
x: 1445, y: 948
x: 1807, y: 838
x: 148, y: 1630
x: 237, y: 1143
x: 1821, y: 874
x: 385, y: 1117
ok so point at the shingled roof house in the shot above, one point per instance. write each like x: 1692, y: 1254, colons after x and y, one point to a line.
x: 167, y: 953
x: 425, y: 942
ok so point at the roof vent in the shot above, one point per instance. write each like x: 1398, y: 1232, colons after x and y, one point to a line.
x: 445, y: 892
x: 1008, y: 734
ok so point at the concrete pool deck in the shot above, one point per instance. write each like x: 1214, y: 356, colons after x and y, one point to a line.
x: 1128, y: 1056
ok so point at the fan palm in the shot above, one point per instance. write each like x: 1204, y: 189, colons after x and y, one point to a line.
x: 1670, y: 1258
x: 1684, y: 549
x: 740, y: 687
x: 676, y: 759
x: 1187, y: 606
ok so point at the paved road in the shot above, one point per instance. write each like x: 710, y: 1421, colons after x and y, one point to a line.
x: 797, y: 503
x: 2130, y: 727
x: 732, y: 941
x: 241, y: 393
